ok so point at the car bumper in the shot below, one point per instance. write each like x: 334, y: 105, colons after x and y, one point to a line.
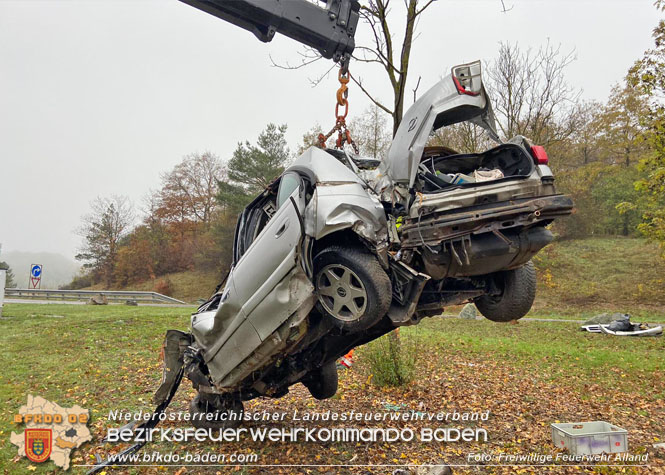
x: 436, y: 227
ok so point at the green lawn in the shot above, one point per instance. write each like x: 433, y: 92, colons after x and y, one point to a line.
x: 529, y: 375
x: 95, y: 356
x: 553, y: 351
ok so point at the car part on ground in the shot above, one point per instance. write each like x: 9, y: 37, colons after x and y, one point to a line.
x: 637, y: 330
x: 622, y: 326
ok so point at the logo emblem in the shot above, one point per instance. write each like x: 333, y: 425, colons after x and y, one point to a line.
x: 412, y: 124
x: 38, y: 444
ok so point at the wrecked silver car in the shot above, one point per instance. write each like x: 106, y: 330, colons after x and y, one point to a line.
x: 341, y: 250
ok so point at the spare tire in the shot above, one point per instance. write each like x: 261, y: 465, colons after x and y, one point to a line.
x: 322, y: 382
x: 517, y: 291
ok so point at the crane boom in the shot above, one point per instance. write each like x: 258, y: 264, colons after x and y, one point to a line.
x: 329, y: 30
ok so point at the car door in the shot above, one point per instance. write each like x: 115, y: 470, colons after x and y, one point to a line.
x: 272, y: 255
x: 267, y: 281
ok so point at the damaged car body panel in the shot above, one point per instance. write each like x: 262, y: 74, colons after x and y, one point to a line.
x: 267, y: 279
x: 270, y: 277
x: 341, y: 249
x: 341, y: 199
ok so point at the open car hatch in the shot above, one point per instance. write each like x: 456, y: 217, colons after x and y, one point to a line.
x: 458, y: 97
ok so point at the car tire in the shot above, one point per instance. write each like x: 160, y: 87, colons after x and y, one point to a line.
x: 199, y: 408
x: 322, y: 382
x: 517, y: 291
x: 352, y: 288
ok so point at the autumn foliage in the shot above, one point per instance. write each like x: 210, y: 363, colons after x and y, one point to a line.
x: 187, y: 224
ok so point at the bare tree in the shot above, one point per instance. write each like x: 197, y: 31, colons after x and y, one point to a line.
x: 530, y: 94
x: 188, y: 191
x: 371, y: 133
x: 582, y: 147
x: 464, y: 137
x: 109, y: 220
x: 585, y: 138
x: 385, y: 49
x: 310, y: 138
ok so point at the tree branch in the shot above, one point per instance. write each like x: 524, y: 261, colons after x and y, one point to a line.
x: 305, y: 62
x: 427, y: 5
x: 378, y: 104
x: 503, y: 7
x: 316, y: 81
x: 416, y: 88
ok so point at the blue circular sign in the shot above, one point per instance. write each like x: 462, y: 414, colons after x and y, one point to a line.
x: 36, y: 270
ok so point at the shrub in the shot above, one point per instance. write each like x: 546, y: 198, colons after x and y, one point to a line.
x: 391, y: 359
x: 164, y: 287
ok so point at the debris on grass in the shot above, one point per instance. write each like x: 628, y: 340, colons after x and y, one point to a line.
x: 469, y: 312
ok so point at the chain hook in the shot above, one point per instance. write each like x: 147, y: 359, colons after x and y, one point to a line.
x: 343, y: 133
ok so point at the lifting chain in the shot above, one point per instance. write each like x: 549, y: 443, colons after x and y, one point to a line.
x: 343, y: 134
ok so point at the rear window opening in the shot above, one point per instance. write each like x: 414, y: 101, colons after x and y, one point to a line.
x: 442, y: 169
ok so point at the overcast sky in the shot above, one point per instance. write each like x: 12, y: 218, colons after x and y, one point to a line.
x: 98, y: 97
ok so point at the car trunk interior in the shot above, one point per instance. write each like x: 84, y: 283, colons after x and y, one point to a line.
x: 442, y: 169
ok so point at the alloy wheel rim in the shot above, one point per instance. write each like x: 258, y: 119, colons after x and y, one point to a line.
x: 341, y: 292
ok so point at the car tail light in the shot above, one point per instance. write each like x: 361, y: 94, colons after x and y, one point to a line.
x: 539, y: 154
x: 462, y: 90
x: 467, y: 78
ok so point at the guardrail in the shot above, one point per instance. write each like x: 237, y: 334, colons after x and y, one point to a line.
x: 117, y: 296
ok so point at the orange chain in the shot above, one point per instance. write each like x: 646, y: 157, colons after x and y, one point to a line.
x: 343, y: 134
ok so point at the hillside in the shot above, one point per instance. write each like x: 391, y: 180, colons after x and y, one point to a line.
x: 601, y: 274
x: 187, y: 286
x: 58, y: 269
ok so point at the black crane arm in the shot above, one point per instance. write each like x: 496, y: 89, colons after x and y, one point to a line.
x: 329, y: 30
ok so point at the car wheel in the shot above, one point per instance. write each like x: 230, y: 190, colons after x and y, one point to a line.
x: 517, y: 290
x: 352, y: 287
x: 226, y: 412
x: 322, y: 382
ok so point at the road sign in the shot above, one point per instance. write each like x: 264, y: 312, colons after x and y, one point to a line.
x: 35, y: 276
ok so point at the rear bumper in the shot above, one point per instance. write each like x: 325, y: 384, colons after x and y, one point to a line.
x: 435, y: 227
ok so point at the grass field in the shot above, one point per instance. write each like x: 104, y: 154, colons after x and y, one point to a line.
x: 601, y: 274
x: 527, y: 375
